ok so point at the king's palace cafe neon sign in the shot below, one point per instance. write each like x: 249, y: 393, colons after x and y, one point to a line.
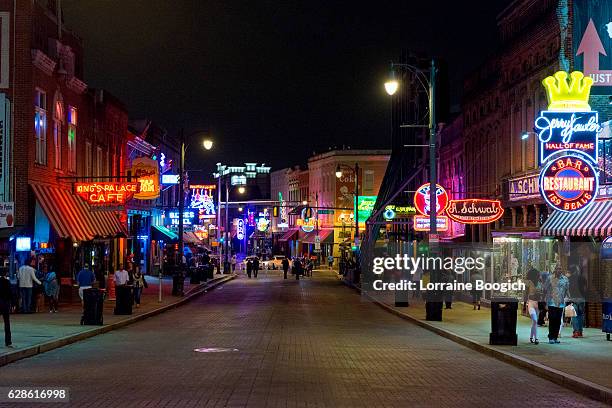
x: 106, y: 193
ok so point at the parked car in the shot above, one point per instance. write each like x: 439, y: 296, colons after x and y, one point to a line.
x: 276, y: 262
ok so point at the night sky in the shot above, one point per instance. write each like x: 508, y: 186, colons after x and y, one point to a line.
x: 272, y: 81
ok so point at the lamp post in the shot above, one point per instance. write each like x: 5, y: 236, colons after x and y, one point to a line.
x: 208, y: 144
x: 391, y: 87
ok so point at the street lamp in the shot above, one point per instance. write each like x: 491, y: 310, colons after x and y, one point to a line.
x: 241, y: 189
x: 356, y: 192
x: 429, y: 84
x: 207, y: 145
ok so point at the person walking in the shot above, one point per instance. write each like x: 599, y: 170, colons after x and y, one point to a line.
x: 297, y: 268
x: 255, y: 266
x: 121, y: 276
x: 27, y: 276
x: 542, y: 309
x: 249, y: 267
x: 285, y: 263
x: 533, y: 294
x: 6, y: 298
x: 577, y: 287
x: 51, y: 288
x: 139, y: 283
x: 234, y: 263
x: 556, y: 289
x: 85, y: 279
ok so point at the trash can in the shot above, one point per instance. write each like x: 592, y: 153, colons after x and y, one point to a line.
x: 433, y: 310
x: 503, y: 321
x: 124, y: 298
x: 606, y: 317
x: 93, y: 305
x: 195, y: 276
x: 178, y: 283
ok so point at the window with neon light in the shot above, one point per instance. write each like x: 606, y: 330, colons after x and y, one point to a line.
x: 72, y: 134
x: 58, y: 125
x: 40, y: 126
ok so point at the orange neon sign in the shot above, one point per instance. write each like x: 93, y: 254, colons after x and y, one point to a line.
x: 106, y: 193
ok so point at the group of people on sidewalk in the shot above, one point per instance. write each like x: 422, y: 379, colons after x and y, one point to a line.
x: 559, y: 295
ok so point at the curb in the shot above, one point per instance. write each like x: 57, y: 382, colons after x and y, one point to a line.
x: 73, y: 338
x: 571, y: 382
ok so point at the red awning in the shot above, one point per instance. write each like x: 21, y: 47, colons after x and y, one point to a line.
x: 288, y: 235
x: 324, y: 234
x: 72, y: 217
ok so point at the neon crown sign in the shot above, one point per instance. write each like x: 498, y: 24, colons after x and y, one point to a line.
x: 564, y: 96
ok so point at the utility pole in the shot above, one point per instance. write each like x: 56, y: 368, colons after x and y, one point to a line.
x: 433, y: 179
x: 181, y: 203
x: 356, y: 204
x: 219, y: 248
x: 226, y: 232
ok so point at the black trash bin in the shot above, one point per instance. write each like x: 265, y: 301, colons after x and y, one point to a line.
x: 503, y: 321
x: 195, y: 276
x: 93, y: 305
x: 606, y: 317
x: 124, y: 298
x: 178, y: 283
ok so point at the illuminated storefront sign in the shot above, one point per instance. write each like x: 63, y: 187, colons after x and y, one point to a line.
x: 283, y: 223
x: 365, y: 205
x: 567, y: 132
x: 170, y: 179
x: 263, y: 222
x: 421, y: 223
x: 239, y: 228
x: 146, y: 172
x: 172, y: 217
x: 307, y: 224
x: 523, y: 188
x: 202, y: 198
x: 568, y: 183
x: 474, y: 211
x: 106, y: 193
x: 397, y: 211
x: 422, y: 199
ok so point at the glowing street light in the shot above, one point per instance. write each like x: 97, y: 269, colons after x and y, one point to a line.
x: 338, y: 172
x: 391, y: 86
x: 208, y: 144
x: 241, y: 189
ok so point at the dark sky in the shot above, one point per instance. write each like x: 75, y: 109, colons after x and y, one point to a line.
x: 273, y: 81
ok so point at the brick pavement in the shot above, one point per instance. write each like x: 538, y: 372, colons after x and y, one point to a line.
x: 311, y: 343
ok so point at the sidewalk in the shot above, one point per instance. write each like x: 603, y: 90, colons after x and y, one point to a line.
x: 43, y: 331
x: 579, y: 364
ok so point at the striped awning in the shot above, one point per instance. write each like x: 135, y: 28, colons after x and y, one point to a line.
x: 191, y: 238
x: 289, y: 235
x: 72, y: 218
x: 593, y: 221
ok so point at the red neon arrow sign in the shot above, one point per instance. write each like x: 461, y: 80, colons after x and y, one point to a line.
x: 590, y: 47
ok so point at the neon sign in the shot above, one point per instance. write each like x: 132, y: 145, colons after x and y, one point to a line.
x: 170, y: 179
x: 263, y: 222
x: 365, y: 205
x: 568, y: 132
x: 239, y: 228
x: 147, y: 174
x: 422, y: 199
x: 568, y: 183
x: 172, y: 217
x: 306, y: 224
x: 422, y: 222
x: 106, y: 192
x: 474, y: 211
x: 202, y: 199
x: 395, y: 211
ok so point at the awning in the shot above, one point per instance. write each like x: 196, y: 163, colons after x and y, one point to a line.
x: 71, y: 217
x: 191, y: 238
x: 159, y: 232
x: 594, y: 221
x: 326, y: 236
x: 288, y: 235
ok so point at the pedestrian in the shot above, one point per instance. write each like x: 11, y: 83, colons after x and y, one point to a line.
x: 310, y: 267
x: 297, y: 268
x: 476, y: 293
x: 27, y: 276
x: 233, y: 263
x: 556, y: 290
x: 255, y: 266
x: 533, y: 294
x: 330, y: 261
x: 139, y: 283
x: 249, y: 267
x: 6, y: 298
x: 121, y: 276
x: 85, y: 279
x: 51, y: 287
x: 577, y: 287
x: 285, y: 263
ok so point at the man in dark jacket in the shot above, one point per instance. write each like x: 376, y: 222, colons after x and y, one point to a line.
x: 255, y: 266
x: 249, y: 267
x: 285, y: 263
x: 5, y: 305
x: 297, y: 268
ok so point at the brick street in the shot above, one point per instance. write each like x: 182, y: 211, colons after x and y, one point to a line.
x: 311, y: 343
